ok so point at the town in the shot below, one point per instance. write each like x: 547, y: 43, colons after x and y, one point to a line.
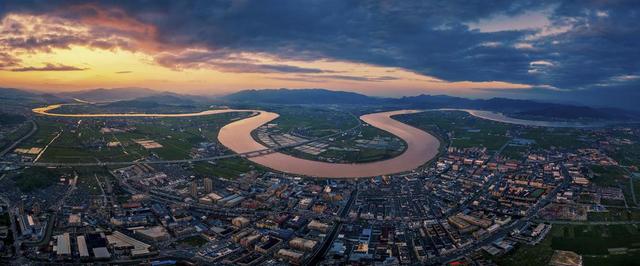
x: 474, y: 203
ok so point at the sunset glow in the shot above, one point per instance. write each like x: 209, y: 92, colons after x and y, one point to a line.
x: 122, y: 60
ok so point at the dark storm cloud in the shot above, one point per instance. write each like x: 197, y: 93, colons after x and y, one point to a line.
x: 599, y: 40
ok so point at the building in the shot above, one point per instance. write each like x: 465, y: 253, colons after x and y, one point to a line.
x: 120, y: 241
x: 82, y: 247
x: 193, y: 190
x: 292, y: 256
x: 208, y: 185
x: 240, y: 222
x: 63, y: 245
x: 302, y: 244
x: 318, y: 226
x: 154, y: 234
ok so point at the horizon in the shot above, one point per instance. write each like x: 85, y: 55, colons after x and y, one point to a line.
x: 320, y: 132
x: 560, y: 52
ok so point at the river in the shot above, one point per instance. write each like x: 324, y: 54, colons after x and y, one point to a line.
x: 236, y: 136
x: 499, y: 117
x: 421, y: 148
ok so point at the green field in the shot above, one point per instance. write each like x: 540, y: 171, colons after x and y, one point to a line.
x: 607, y: 175
x: 628, y: 155
x: 225, y: 168
x: 312, y: 121
x: 467, y: 131
x: 614, y: 214
x: 18, y: 133
x: 82, y: 141
x: 562, y: 138
x: 592, y: 242
x: 36, y: 177
x: 518, y: 153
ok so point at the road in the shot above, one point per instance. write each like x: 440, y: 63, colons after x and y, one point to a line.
x: 485, y: 188
x: 504, y: 231
x: 34, y: 128
x: 181, y: 161
x: 319, y: 255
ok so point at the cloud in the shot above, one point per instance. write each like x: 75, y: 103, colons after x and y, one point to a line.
x: 7, y: 60
x: 325, y: 78
x: 588, y: 42
x: 227, y: 61
x: 124, y: 72
x: 48, y: 67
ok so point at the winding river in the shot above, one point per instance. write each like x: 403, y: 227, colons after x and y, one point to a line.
x: 421, y: 146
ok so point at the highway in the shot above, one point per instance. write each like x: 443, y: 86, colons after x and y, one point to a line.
x: 34, y: 128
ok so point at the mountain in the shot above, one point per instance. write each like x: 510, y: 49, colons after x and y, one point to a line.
x: 300, y: 96
x: 15, y: 93
x: 154, y: 101
x: 520, y: 108
x: 114, y: 94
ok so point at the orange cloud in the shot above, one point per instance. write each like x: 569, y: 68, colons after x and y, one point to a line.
x: 48, y: 52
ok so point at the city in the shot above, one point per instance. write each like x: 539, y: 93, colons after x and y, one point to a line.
x: 307, y: 176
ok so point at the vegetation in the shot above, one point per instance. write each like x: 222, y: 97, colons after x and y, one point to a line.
x: 467, y: 131
x: 561, y: 138
x: 36, y: 178
x: 591, y: 241
x: 11, y: 119
x: 81, y: 140
x: 607, y: 175
x: 628, y: 155
x: 228, y: 168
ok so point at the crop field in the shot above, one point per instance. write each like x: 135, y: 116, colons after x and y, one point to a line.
x: 467, y: 131
x: 81, y: 140
x: 228, y: 168
x: 312, y: 121
x: 591, y: 241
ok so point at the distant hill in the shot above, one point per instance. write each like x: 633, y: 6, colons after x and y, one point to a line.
x: 301, y: 96
x: 518, y: 108
x: 10, y: 93
x: 154, y: 102
x: 115, y: 94
x: 515, y: 107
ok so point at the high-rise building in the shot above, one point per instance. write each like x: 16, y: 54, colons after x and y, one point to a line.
x: 194, y: 189
x: 208, y: 185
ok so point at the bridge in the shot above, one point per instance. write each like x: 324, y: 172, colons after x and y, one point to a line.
x: 250, y: 154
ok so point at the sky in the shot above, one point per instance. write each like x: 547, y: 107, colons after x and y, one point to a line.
x: 584, y: 52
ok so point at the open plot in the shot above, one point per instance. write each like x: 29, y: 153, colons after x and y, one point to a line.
x: 466, y: 130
